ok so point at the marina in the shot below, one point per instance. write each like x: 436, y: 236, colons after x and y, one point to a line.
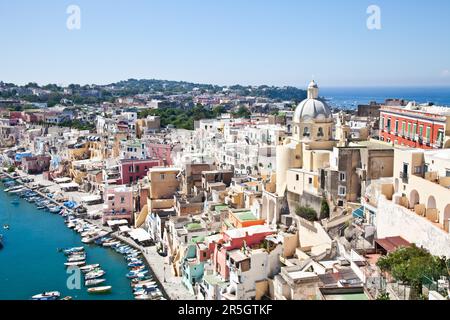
x: 91, y: 244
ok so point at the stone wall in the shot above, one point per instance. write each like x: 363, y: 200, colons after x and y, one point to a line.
x: 394, y: 220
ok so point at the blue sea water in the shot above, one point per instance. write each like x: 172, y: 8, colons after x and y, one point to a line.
x: 351, y: 97
x: 30, y: 262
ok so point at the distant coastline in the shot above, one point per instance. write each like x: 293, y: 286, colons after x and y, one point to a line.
x: 350, y: 97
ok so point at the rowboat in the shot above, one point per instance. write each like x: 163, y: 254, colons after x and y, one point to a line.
x: 52, y: 295
x: 75, y: 264
x: 93, y: 282
x: 103, y: 289
x: 94, y: 274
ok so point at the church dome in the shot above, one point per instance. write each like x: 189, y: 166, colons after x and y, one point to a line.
x: 312, y: 108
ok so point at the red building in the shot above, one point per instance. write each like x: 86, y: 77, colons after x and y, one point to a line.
x: 133, y: 170
x: 424, y: 127
x: 236, y: 239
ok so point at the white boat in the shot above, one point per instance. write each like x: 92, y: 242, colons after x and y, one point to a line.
x: 51, y: 295
x: 87, y: 240
x: 145, y: 284
x: 75, y: 264
x: 110, y: 244
x: 89, y: 267
x: 93, y: 282
x: 76, y: 258
x: 103, y: 289
x: 144, y: 297
x: 94, y: 274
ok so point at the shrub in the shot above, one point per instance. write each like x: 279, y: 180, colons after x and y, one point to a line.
x: 307, y: 213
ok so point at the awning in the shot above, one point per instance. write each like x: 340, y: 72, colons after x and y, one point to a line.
x: 117, y: 222
x: 124, y: 229
x: 62, y: 180
x: 91, y: 198
x: 69, y: 185
x: 359, y: 213
x: 140, y: 235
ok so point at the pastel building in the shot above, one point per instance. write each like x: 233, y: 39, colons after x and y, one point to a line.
x: 417, y: 126
x: 118, y: 204
x: 131, y: 171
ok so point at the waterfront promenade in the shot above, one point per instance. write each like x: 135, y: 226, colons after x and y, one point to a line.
x: 171, y: 285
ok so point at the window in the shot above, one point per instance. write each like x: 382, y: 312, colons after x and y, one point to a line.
x: 396, y: 126
x: 447, y: 172
x: 414, y: 131
x: 306, y: 132
x: 421, y: 132
x: 342, y: 191
x: 320, y: 133
x: 428, y: 134
x: 403, y: 128
x: 122, y: 199
x: 409, y: 130
x: 162, y: 176
x: 342, y: 176
x: 418, y: 170
x: 297, y: 177
x: 310, y: 180
x: 382, y: 123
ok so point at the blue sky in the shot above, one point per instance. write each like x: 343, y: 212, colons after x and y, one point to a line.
x: 227, y: 42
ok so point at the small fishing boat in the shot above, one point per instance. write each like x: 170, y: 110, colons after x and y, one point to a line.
x: 86, y: 240
x: 52, y: 295
x: 133, y: 274
x: 90, y: 267
x: 93, y: 282
x: 67, y: 298
x: 75, y: 264
x: 1, y: 241
x: 104, y: 289
x: 6, y: 226
x: 70, y: 251
x: 94, y: 274
x: 143, y: 282
x: 76, y: 258
x: 110, y: 244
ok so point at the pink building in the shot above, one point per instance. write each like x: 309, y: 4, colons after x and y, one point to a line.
x: 235, y: 239
x: 119, y: 204
x: 133, y: 170
x: 161, y: 152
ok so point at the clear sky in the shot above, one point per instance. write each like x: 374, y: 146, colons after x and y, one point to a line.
x: 277, y: 42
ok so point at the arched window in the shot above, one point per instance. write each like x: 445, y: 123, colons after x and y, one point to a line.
x: 320, y: 132
x: 306, y: 132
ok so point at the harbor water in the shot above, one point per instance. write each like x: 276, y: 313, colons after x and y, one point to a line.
x: 30, y: 262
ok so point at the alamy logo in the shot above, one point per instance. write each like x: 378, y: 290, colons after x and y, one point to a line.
x: 74, y: 19
x: 374, y: 19
x: 74, y: 280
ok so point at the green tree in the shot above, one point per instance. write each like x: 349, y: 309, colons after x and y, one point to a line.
x: 411, y: 264
x: 324, y: 209
x: 307, y: 213
x: 242, y: 112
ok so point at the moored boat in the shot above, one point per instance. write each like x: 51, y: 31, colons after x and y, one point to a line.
x: 94, y: 274
x: 104, y: 289
x: 89, y: 267
x: 93, y: 282
x: 51, y: 295
x: 75, y: 264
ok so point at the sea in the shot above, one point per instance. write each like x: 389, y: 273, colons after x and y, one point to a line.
x: 31, y: 264
x: 350, y: 98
